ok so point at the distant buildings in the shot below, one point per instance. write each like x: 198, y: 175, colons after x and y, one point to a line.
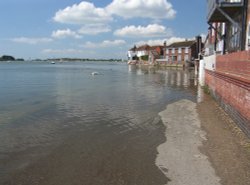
x: 145, y: 54
x: 176, y: 54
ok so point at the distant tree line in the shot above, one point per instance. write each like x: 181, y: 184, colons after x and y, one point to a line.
x: 10, y: 58
x: 83, y: 59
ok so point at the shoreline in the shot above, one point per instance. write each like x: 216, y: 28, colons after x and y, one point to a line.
x: 203, y: 146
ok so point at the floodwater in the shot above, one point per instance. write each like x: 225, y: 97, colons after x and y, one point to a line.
x: 61, y: 125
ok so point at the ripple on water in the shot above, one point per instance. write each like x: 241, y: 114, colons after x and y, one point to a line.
x: 117, y: 111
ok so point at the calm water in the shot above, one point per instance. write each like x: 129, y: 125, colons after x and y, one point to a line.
x: 60, y: 116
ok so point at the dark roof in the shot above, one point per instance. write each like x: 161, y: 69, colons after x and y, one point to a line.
x: 182, y: 44
x: 133, y: 48
x: 143, y: 47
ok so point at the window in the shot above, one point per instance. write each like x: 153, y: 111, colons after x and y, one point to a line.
x: 179, y: 50
x: 174, y: 58
x: 186, y: 58
x: 167, y: 58
x: 173, y: 51
x: 179, y: 58
x: 186, y: 50
x: 167, y: 51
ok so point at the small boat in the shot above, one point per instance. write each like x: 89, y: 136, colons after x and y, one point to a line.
x: 94, y: 73
x: 52, y: 63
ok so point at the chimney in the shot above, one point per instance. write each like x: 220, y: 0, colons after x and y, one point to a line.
x: 164, y: 48
x: 198, y: 46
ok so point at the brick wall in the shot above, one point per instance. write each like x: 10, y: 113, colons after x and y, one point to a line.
x: 230, y: 85
x: 236, y: 64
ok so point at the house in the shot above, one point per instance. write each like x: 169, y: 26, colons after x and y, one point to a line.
x: 132, y: 54
x: 183, y: 53
x: 145, y: 54
x: 155, y: 53
x: 228, y: 25
x: 143, y: 51
x: 177, y: 54
x: 227, y: 58
x: 137, y: 54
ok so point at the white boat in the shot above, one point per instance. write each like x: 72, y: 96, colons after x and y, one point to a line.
x: 94, y: 73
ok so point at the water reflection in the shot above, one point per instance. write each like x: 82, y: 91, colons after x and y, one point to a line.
x: 174, y: 77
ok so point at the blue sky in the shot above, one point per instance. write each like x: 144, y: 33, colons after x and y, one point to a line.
x: 95, y: 29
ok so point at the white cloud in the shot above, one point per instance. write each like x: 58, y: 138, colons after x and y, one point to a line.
x: 61, y: 34
x: 62, y: 51
x: 153, y: 9
x: 151, y: 42
x: 33, y: 41
x: 168, y: 41
x: 104, y: 44
x: 152, y: 30
x: 176, y: 39
x: 83, y: 13
x: 94, y: 29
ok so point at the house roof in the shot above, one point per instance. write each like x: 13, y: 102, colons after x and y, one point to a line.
x: 182, y: 44
x: 133, y: 48
x: 155, y: 47
x: 146, y: 48
x: 143, y: 48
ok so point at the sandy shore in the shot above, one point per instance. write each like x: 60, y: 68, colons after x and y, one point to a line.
x: 203, y: 146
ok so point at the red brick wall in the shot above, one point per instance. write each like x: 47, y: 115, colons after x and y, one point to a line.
x: 230, y: 92
x: 230, y: 85
x: 236, y: 64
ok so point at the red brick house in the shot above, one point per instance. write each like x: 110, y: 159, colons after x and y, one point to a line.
x: 183, y: 53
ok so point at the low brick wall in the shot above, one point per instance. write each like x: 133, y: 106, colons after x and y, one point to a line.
x: 230, y: 85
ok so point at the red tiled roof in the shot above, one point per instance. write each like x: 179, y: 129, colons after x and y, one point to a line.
x: 182, y: 44
x: 155, y: 47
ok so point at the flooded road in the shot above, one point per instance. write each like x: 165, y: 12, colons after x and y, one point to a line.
x: 62, y: 125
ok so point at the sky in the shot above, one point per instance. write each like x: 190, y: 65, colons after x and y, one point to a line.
x: 44, y: 29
